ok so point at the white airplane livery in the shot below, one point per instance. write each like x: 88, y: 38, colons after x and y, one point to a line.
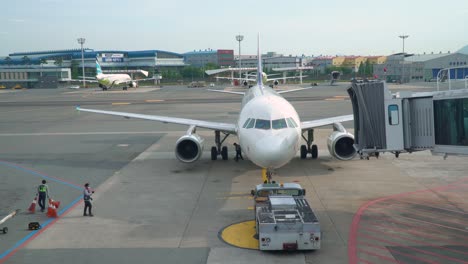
x: 268, y: 129
x: 107, y: 81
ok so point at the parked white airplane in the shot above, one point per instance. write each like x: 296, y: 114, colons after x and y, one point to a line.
x: 268, y: 129
x: 107, y: 81
x: 249, y: 77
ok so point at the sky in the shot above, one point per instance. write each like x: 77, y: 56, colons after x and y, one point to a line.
x: 296, y: 27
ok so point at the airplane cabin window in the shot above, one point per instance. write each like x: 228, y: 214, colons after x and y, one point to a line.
x: 251, y: 123
x: 263, y: 124
x: 279, y: 124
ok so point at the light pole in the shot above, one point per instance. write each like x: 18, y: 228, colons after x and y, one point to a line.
x: 82, y: 41
x: 240, y: 38
x: 403, y: 37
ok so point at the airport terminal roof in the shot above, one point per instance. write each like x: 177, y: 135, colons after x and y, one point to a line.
x: 200, y: 52
x: 426, y: 57
x: 36, y: 56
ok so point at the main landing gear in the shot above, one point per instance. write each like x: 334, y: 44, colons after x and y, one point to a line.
x: 219, y: 149
x: 310, y: 148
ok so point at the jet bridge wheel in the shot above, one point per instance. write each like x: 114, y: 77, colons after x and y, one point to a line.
x: 5, y: 230
x: 214, y: 153
x: 224, y: 153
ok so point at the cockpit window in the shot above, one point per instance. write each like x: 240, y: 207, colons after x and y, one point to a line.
x: 279, y: 124
x: 246, y: 122
x: 251, y: 123
x: 263, y: 124
x: 291, y: 122
x: 294, y: 122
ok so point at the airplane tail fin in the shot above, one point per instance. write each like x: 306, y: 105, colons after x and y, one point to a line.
x: 98, y: 68
x: 259, y: 65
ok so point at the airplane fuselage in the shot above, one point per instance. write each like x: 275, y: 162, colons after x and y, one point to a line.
x: 108, y: 80
x: 273, y: 139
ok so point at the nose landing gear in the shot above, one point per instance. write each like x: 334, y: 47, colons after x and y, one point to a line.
x: 310, y: 148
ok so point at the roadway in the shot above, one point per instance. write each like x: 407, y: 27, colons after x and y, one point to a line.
x: 151, y: 208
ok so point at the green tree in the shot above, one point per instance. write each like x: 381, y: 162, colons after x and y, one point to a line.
x: 58, y: 61
x: 75, y: 71
x: 369, y: 68
x: 26, y: 60
x: 8, y: 61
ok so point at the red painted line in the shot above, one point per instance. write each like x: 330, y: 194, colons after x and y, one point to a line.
x: 416, y: 241
x: 412, y: 248
x: 365, y: 261
x: 38, y: 172
x: 379, y: 256
x: 425, y: 203
x: 417, y: 233
x: 352, y: 252
x: 423, y: 228
x: 423, y: 213
x: 434, y: 224
x: 40, y: 231
x: 401, y: 253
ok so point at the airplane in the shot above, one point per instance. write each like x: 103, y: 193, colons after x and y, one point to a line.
x: 268, y: 128
x: 107, y: 81
x: 248, y: 77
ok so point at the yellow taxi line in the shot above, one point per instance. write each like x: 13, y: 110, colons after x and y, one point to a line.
x: 121, y: 103
x: 154, y: 101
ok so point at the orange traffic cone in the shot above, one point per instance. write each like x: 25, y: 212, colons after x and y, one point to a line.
x: 51, y: 210
x: 32, y: 207
x: 56, y: 204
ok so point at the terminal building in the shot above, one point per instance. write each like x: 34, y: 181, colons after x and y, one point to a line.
x: 272, y: 60
x: 49, y: 68
x: 403, y: 67
x: 220, y: 58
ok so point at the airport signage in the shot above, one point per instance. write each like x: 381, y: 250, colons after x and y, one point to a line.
x: 112, y: 57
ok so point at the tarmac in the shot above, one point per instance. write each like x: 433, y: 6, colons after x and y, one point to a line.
x: 151, y: 208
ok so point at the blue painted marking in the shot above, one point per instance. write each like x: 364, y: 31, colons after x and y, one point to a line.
x: 43, y: 225
x: 47, y: 222
x: 11, y: 165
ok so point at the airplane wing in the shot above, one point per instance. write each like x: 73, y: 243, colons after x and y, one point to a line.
x: 281, y: 78
x: 324, y: 122
x: 237, y: 78
x: 216, y: 71
x: 225, y: 127
x: 224, y: 91
x: 292, y: 90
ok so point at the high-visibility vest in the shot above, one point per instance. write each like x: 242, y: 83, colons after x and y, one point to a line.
x: 42, y: 188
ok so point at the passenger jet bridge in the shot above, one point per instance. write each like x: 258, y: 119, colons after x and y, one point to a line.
x: 406, y: 122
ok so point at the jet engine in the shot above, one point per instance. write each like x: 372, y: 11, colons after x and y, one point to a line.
x: 276, y: 82
x: 133, y: 84
x: 189, y: 148
x: 341, y: 143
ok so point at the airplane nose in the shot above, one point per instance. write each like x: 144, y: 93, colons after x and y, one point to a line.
x: 272, y: 152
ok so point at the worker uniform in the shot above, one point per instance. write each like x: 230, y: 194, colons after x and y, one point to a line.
x: 238, y: 152
x: 87, y: 201
x: 42, y: 193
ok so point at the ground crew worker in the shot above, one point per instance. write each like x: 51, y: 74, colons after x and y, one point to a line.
x: 87, y: 192
x: 238, y: 152
x: 42, y: 193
